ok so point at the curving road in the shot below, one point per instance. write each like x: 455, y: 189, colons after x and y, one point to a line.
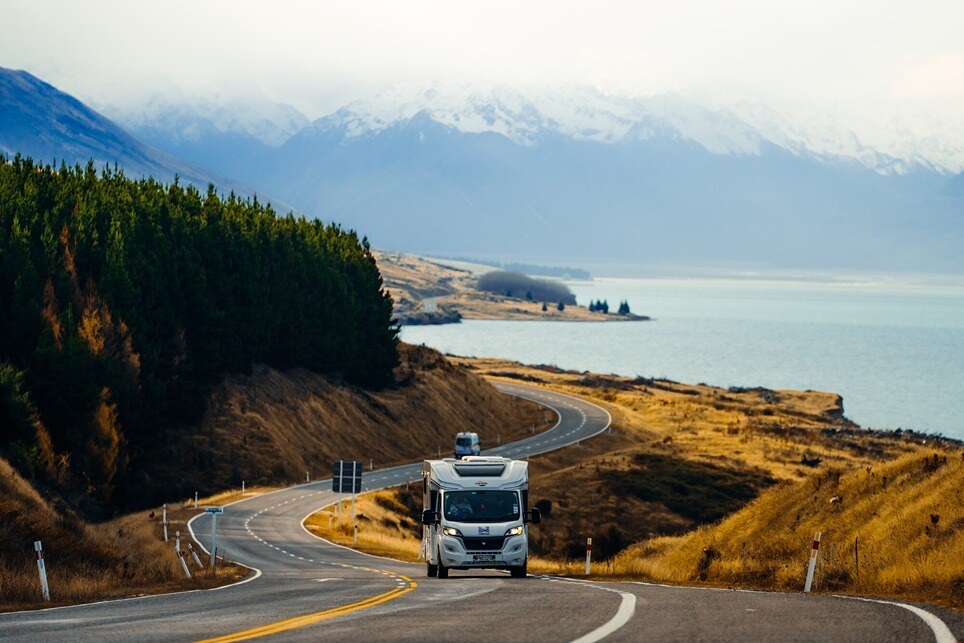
x: 304, y: 588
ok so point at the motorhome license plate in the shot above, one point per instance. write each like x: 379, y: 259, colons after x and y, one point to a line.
x: 483, y: 558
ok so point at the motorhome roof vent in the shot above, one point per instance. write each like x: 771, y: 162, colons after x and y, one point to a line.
x: 479, y: 469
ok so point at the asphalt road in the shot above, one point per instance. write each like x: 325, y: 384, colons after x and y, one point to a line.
x: 304, y: 588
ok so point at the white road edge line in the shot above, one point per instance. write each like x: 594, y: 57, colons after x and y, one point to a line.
x: 627, y: 607
x: 942, y: 633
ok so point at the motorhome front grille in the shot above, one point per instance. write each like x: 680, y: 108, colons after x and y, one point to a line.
x: 479, y: 470
x: 483, y: 544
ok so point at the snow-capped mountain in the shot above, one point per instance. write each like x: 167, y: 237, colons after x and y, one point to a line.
x: 566, y: 175
x: 584, y: 113
x: 186, y: 118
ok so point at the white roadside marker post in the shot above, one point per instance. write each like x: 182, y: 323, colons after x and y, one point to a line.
x: 195, y: 501
x: 371, y: 464
x: 588, y: 554
x: 197, y: 559
x: 180, y: 554
x: 164, y: 520
x: 813, y: 562
x: 355, y: 539
x: 242, y: 487
x: 42, y: 570
x: 307, y: 476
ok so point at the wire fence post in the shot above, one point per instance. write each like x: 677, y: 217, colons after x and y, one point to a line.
x: 857, y: 554
x: 42, y: 570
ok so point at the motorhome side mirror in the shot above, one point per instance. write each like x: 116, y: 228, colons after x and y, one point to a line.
x: 428, y: 517
x: 535, y: 516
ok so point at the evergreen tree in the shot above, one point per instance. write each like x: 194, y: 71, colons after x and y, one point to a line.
x: 560, y: 306
x: 544, y: 307
x: 124, y: 302
x: 604, y: 307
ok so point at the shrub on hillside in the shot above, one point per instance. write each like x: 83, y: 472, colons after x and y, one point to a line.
x: 514, y: 284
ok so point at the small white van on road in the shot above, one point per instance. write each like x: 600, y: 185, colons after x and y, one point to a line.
x: 467, y: 444
x: 475, y: 515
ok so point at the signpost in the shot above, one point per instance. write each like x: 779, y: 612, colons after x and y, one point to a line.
x: 214, y: 511
x: 347, y: 478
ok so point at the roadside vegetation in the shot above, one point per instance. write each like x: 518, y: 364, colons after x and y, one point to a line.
x: 896, y: 529
x: 726, y: 487
x: 126, y: 556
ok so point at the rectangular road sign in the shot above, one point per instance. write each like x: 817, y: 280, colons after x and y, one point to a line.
x: 347, y: 477
x: 214, y: 510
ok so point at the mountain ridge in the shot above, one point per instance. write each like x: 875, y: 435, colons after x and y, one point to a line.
x: 40, y: 121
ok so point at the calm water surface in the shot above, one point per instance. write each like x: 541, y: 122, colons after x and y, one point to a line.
x: 896, y: 353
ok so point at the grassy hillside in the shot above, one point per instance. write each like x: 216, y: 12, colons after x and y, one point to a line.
x: 892, y: 529
x: 725, y: 486
x: 123, y: 303
x: 122, y: 557
x: 271, y: 427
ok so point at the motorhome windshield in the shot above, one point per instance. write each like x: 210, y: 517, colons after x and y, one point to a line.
x: 481, y: 506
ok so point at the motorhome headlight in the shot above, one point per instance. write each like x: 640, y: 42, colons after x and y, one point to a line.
x: 515, y: 531
x: 451, y: 531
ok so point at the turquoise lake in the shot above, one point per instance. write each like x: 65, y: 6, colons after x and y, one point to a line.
x: 894, y: 351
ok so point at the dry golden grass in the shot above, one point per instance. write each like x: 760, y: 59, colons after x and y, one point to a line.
x: 774, y: 431
x: 123, y: 557
x: 272, y: 427
x: 905, y: 507
x: 386, y: 527
x: 905, y: 519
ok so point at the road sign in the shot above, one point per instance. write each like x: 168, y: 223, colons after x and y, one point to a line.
x: 214, y: 510
x: 347, y: 477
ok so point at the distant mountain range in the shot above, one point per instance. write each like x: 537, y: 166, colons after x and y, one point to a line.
x: 571, y: 176
x: 38, y: 120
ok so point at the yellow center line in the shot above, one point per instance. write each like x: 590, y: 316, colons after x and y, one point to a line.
x: 315, y: 617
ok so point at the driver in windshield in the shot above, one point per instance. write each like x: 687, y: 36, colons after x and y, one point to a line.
x: 460, y: 509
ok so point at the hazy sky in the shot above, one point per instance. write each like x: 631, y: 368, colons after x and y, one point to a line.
x: 838, y: 56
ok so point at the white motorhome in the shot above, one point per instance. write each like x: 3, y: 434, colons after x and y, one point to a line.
x: 475, y: 514
x: 467, y: 444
